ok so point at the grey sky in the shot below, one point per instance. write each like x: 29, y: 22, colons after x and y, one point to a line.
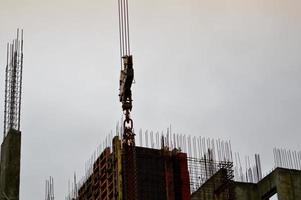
x: 218, y: 68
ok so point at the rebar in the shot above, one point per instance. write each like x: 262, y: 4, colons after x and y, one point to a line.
x: 13, y: 84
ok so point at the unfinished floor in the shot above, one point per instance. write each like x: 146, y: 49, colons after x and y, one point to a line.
x: 285, y: 183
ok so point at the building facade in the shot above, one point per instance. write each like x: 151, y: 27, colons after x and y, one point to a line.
x: 138, y: 173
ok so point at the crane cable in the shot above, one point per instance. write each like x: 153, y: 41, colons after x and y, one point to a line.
x: 124, y: 36
x: 127, y: 72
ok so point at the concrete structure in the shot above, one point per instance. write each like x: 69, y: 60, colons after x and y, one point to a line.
x: 156, y: 172
x: 10, y: 165
x: 217, y: 187
x: 285, y: 183
x: 159, y: 174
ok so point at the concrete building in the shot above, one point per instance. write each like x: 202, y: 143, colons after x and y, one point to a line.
x: 285, y: 184
x: 153, y: 175
x: 11, y: 145
x: 157, y: 172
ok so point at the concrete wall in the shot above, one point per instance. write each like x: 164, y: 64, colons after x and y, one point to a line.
x: 288, y: 184
x: 285, y: 182
x: 246, y: 191
x: 213, y: 188
x: 10, y: 166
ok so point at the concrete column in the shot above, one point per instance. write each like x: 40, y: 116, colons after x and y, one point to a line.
x: 288, y: 184
x: 10, y: 166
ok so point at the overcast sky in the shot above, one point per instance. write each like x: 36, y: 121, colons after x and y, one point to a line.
x: 225, y: 69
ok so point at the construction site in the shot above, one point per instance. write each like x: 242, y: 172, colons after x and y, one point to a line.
x: 147, y: 165
x: 174, y: 166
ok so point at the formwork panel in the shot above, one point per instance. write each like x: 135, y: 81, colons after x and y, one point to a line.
x: 150, y: 174
x: 181, y: 177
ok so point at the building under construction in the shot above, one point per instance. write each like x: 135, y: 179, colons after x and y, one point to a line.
x: 172, y: 166
x: 11, y: 145
x: 176, y: 167
x: 157, y: 174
